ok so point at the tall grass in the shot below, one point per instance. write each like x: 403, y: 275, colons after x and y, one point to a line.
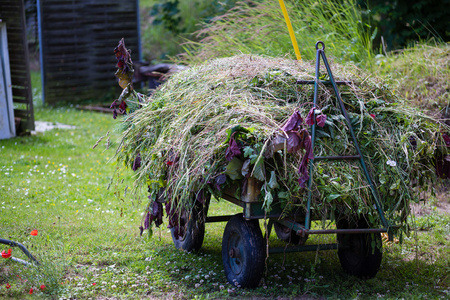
x: 421, y: 73
x: 258, y: 27
x: 160, y: 43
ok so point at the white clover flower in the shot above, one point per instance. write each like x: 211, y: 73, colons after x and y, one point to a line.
x: 391, y: 163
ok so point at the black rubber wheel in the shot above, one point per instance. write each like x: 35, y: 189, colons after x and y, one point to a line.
x: 286, y: 234
x: 191, y: 228
x: 243, y: 252
x: 360, y: 254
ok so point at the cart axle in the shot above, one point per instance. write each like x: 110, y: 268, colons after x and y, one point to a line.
x: 341, y: 231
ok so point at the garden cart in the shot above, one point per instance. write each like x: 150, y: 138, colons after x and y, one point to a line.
x: 243, y: 245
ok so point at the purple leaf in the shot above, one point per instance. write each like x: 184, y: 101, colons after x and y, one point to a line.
x: 310, y: 118
x: 321, y: 120
x: 233, y: 150
x: 200, y: 197
x: 293, y: 142
x: 304, y: 177
x: 303, y: 168
x: 307, y: 143
x: 172, y: 214
x: 294, y: 122
x: 137, y: 162
x: 113, y: 105
x: 147, y: 221
x: 123, y: 107
x: 157, y: 214
x: 221, y: 179
x: 446, y: 139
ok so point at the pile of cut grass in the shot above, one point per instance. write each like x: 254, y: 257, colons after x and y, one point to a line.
x: 179, y: 137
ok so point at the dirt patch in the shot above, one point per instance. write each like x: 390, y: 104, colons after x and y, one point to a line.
x: 442, y: 204
x: 44, y: 126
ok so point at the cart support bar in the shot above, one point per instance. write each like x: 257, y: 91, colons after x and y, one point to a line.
x: 346, y: 157
x: 214, y: 219
x: 326, y: 82
x: 342, y: 231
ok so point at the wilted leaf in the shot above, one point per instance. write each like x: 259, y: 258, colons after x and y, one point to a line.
x: 221, y: 179
x: 310, y: 118
x: 321, y: 119
x: 233, y: 150
x: 303, y: 167
x: 446, y: 139
x: 294, y: 122
x: 124, y: 64
x: 245, y: 167
x: 137, y: 162
x: 293, y: 142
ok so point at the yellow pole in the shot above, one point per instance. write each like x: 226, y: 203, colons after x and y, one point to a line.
x: 291, y: 31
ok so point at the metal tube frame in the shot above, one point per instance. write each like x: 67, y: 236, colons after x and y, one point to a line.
x: 321, y: 54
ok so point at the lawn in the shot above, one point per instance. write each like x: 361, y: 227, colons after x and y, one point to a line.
x: 89, y: 244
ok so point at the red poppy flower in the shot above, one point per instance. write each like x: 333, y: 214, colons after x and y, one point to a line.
x: 31, y: 291
x: 373, y: 116
x: 34, y: 232
x: 169, y: 163
x: 8, y: 285
x: 94, y: 283
x: 42, y: 287
x: 6, y: 255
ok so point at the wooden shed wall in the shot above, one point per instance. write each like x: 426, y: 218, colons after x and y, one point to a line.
x: 77, y: 42
x: 12, y: 13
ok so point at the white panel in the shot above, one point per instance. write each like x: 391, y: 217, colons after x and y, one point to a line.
x: 7, y: 127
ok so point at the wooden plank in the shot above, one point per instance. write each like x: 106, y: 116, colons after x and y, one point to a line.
x: 83, y: 60
x: 21, y: 92
x: 22, y: 113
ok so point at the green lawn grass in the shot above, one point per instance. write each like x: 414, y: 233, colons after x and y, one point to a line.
x: 88, y: 241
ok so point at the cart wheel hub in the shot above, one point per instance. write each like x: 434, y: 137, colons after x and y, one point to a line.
x: 234, y: 252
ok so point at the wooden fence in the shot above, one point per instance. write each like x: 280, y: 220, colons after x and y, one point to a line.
x: 77, y: 39
x: 12, y: 13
